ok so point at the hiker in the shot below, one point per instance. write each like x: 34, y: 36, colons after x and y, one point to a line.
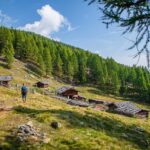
x: 24, y: 91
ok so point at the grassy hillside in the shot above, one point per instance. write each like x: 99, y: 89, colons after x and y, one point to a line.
x: 82, y: 128
x: 21, y: 74
x: 73, y: 65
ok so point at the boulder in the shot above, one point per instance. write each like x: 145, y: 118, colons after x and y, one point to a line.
x: 55, y: 125
x: 20, y: 138
x: 30, y: 123
x: 46, y: 140
x: 27, y: 132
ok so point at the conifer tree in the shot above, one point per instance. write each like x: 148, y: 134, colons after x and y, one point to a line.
x: 58, y: 70
x: 5, y: 38
x: 8, y: 53
x: 82, y: 68
x: 133, y: 16
x: 74, y: 64
x: 70, y: 70
x: 115, y: 82
x: 47, y: 61
x: 41, y: 69
x: 19, y: 45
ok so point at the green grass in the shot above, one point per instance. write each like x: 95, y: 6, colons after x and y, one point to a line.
x: 82, y: 128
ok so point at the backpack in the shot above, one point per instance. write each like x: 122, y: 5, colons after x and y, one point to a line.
x: 24, y: 89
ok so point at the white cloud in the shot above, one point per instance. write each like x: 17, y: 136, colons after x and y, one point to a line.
x: 5, y: 20
x: 51, y: 21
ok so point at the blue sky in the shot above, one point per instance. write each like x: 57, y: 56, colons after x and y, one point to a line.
x: 72, y: 22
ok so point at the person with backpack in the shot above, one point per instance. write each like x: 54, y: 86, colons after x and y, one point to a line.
x: 24, y: 91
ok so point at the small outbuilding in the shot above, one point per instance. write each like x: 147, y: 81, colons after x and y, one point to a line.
x: 4, y: 80
x: 42, y: 84
x: 95, y: 101
x: 129, y: 109
x: 67, y: 91
x: 78, y: 103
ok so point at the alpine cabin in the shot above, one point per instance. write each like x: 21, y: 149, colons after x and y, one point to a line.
x: 66, y: 91
x: 42, y: 84
x: 129, y: 109
x: 4, y: 80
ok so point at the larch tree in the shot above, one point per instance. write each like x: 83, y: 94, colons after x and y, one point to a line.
x: 82, y: 59
x: 74, y: 64
x: 41, y: 65
x: 115, y: 82
x: 133, y: 16
x: 47, y: 61
x: 58, y: 70
x: 8, y: 52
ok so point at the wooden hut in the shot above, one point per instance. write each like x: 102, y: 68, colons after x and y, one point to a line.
x: 4, y: 80
x: 129, y: 109
x: 42, y: 84
x: 66, y: 91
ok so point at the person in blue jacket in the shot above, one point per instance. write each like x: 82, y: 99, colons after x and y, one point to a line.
x: 24, y: 92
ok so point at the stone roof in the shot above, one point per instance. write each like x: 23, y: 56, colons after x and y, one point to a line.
x: 64, y: 89
x: 127, y: 108
x: 43, y: 82
x: 78, y: 103
x: 6, y: 78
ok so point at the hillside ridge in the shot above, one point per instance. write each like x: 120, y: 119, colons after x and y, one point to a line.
x: 47, y: 58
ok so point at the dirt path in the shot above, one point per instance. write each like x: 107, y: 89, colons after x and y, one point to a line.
x: 5, y: 111
x: 3, y: 114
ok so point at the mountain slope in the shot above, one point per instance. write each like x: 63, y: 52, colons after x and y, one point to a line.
x: 73, y: 65
x: 82, y: 128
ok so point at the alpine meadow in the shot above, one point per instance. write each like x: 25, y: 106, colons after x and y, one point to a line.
x: 74, y: 65
x: 65, y: 81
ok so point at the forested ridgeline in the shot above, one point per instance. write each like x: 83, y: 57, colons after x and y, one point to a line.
x: 74, y: 65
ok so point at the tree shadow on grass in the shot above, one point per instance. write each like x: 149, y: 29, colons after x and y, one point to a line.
x: 117, y: 97
x: 103, y: 93
x: 111, y: 127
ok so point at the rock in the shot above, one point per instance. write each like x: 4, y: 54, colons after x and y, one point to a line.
x: 30, y: 123
x: 34, y: 138
x: 46, y: 140
x: 27, y: 132
x: 43, y: 135
x: 55, y: 125
x: 20, y: 138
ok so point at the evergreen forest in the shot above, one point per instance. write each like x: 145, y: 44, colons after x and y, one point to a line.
x: 74, y: 65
